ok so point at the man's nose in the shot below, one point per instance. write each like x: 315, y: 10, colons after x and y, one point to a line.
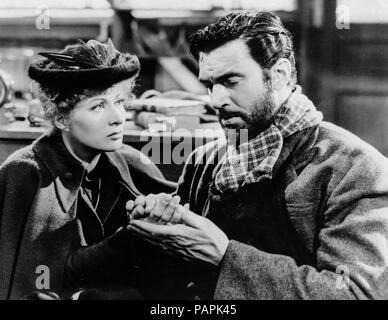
x: 218, y: 96
x: 116, y: 115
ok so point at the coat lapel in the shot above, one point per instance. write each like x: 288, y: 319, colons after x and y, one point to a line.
x: 123, y: 172
x: 67, y: 172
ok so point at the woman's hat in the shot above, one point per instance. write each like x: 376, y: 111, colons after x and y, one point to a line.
x: 84, y: 65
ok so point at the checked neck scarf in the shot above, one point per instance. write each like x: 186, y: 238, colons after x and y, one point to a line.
x: 256, y: 158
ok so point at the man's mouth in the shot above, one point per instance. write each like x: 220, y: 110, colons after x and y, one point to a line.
x: 232, y: 122
x: 229, y: 112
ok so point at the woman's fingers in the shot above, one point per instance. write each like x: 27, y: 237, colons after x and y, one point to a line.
x: 141, y: 206
x: 156, y: 208
x: 162, y: 202
x: 137, y: 213
x: 130, y: 205
x: 150, y: 202
x: 140, y: 201
x: 169, y: 211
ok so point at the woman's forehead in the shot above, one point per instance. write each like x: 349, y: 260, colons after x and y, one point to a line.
x: 117, y: 89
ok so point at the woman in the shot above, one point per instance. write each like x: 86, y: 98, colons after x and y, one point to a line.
x: 62, y: 199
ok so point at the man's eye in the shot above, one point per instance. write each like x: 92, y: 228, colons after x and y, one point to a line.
x: 230, y: 82
x: 98, y: 106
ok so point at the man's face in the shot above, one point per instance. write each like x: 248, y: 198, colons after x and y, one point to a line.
x: 237, y: 88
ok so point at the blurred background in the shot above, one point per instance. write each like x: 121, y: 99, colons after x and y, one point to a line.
x: 341, y: 46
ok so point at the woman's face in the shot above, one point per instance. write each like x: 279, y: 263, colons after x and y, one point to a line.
x: 96, y: 124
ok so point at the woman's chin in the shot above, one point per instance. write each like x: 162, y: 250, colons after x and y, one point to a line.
x: 112, y: 146
x: 117, y: 145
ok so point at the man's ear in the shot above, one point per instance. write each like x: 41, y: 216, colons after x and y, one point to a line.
x: 61, y: 122
x: 281, y: 74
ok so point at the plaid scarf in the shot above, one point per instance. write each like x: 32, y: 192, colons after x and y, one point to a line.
x: 257, y: 157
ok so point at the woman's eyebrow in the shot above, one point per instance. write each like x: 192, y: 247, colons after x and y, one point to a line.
x: 92, y: 99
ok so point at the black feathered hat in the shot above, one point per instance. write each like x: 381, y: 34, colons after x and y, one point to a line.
x: 84, y: 65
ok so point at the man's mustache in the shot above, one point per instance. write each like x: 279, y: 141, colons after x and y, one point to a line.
x: 225, y: 114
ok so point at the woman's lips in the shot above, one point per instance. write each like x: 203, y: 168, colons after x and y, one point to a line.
x: 115, y: 135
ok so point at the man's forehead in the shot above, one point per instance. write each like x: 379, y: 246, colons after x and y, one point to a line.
x: 222, y: 59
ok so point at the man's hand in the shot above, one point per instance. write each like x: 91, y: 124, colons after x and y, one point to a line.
x: 157, y: 208
x: 195, y: 238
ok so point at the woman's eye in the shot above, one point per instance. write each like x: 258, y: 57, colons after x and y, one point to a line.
x: 120, y: 101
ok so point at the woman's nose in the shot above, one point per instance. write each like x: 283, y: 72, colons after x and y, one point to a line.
x: 116, y: 115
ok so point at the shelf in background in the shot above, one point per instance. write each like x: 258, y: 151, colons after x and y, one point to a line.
x: 21, y: 130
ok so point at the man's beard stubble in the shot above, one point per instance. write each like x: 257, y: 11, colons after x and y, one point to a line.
x: 258, y: 121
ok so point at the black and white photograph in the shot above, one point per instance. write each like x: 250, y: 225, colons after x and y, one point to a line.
x: 193, y: 154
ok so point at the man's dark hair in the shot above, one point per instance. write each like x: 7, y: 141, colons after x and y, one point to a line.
x: 263, y: 32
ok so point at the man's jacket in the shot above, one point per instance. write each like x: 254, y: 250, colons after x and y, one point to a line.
x: 317, y: 230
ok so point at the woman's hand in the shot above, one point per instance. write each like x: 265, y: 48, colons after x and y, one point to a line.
x: 156, y: 208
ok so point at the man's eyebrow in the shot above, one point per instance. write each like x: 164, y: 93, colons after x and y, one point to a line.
x: 222, y: 77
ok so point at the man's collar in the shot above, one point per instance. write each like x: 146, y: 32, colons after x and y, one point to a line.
x: 297, y: 150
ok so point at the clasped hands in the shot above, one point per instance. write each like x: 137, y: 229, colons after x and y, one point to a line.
x: 162, y: 221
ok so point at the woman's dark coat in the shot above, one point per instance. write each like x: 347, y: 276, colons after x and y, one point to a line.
x: 39, y: 187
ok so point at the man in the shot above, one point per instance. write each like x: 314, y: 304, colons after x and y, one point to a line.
x: 300, y: 210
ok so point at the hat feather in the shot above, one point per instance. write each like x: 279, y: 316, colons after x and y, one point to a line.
x: 92, y: 54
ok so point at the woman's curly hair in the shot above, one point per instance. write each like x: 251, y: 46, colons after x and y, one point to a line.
x: 263, y: 32
x: 59, y: 103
